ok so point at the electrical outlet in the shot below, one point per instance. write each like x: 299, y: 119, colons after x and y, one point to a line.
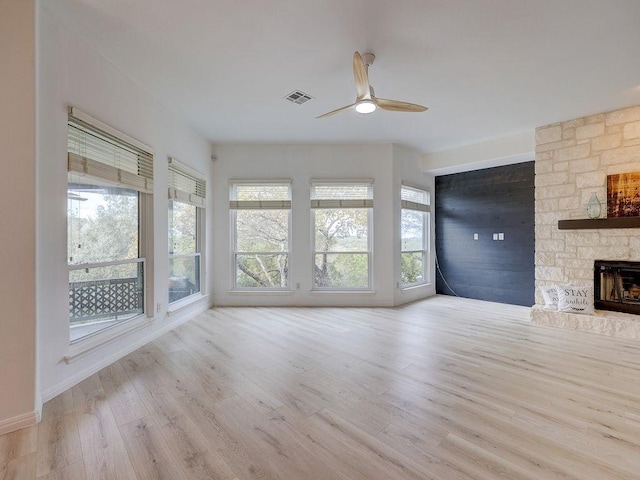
x: 475, y: 236
x: 158, y: 307
x: 495, y: 236
x: 501, y: 236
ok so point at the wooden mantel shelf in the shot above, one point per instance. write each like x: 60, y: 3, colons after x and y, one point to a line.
x: 588, y: 223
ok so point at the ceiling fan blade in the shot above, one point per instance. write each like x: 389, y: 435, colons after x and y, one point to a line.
x: 361, y: 76
x: 337, y: 110
x: 397, y: 106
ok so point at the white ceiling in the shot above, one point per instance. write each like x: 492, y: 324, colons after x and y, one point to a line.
x: 485, y: 68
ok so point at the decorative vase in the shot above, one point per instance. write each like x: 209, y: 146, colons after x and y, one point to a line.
x: 594, y: 207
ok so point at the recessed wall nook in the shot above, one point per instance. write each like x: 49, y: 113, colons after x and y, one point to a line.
x: 573, y: 159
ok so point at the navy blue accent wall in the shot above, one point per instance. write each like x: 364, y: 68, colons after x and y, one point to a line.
x: 487, y: 202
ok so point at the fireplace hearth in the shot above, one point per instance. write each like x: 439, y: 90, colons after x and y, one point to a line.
x: 617, y: 286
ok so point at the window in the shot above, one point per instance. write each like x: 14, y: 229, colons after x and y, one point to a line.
x: 261, y: 219
x: 414, y: 225
x: 110, y: 182
x: 187, y: 198
x: 342, y: 214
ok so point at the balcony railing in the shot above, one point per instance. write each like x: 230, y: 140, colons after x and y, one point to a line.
x: 104, y: 294
x: 101, y: 299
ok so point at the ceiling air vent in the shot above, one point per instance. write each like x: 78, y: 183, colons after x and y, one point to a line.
x: 298, y: 97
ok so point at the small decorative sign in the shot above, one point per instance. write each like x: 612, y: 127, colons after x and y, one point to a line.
x: 623, y: 195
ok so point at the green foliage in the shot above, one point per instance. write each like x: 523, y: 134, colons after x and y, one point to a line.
x: 262, y: 245
x: 262, y: 238
x: 184, y: 272
x: 342, y: 270
x: 342, y: 230
x: 262, y: 270
x: 262, y: 230
x: 413, y: 239
x: 183, y: 228
x: 412, y: 269
x: 103, y: 228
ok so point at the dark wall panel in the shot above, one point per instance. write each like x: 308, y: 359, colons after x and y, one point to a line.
x: 493, y: 200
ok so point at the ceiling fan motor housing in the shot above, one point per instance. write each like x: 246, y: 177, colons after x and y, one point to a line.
x: 368, y: 59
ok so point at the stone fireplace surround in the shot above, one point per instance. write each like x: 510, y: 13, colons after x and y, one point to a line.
x: 573, y: 159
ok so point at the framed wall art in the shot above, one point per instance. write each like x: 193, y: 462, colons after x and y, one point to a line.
x: 623, y: 195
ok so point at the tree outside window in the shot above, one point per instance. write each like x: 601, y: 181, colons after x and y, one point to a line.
x: 184, y: 254
x: 110, y: 180
x: 414, y: 220
x: 187, y: 201
x: 342, y: 242
x: 261, y: 214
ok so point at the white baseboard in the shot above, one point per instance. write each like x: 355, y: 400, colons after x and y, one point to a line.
x: 38, y: 408
x: 18, y: 422
x: 66, y: 384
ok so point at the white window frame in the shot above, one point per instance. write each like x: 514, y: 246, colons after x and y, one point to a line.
x: 425, y: 209
x: 235, y: 205
x: 327, y: 204
x: 102, y: 171
x: 187, y: 185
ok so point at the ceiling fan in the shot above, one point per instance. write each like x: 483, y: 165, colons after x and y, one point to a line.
x: 366, y: 101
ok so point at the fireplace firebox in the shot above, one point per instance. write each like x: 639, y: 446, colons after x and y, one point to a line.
x: 617, y: 286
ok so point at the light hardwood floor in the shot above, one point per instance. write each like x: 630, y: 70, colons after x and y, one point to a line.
x: 446, y: 388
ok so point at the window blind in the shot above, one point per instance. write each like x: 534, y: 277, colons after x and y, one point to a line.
x: 342, y: 194
x: 260, y: 196
x: 414, y: 198
x: 98, y: 154
x: 186, y: 185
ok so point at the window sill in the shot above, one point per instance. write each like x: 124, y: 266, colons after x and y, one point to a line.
x: 261, y: 292
x: 343, y: 292
x: 408, y: 288
x: 84, y: 346
x: 180, y: 305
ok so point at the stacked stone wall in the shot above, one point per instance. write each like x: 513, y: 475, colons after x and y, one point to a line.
x: 573, y: 159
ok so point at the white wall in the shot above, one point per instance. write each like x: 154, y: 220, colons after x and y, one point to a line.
x: 491, y: 153
x: 17, y: 217
x: 301, y: 164
x: 70, y: 73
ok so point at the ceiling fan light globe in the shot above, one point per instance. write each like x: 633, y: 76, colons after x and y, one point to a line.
x: 365, y: 106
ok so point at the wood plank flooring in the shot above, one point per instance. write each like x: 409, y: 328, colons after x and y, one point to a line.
x: 446, y: 388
